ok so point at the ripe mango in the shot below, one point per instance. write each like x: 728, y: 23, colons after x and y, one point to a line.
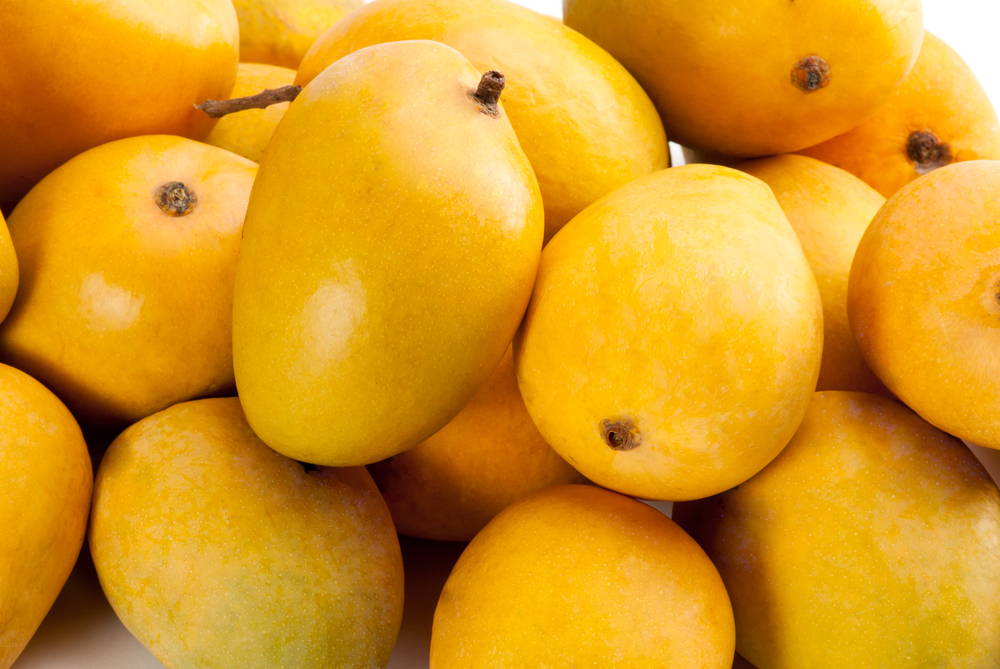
x: 674, y: 336
x: 870, y: 542
x: 215, y: 551
x: 585, y: 124
x: 46, y: 475
x: 758, y: 77
x: 829, y: 210
x: 577, y: 576
x: 249, y: 131
x: 390, y: 246
x: 939, y: 115
x: 924, y: 298
x: 489, y: 456
x: 279, y: 32
x: 79, y: 73
x: 8, y: 270
x: 128, y: 253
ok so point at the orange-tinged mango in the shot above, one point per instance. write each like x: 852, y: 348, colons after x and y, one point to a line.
x: 870, y: 542
x: 390, y: 246
x: 489, y: 456
x: 758, y: 77
x: 279, y: 32
x: 127, y: 257
x: 674, y: 336
x: 46, y: 475
x: 248, y: 132
x: 215, y: 551
x: 939, y: 115
x: 576, y: 576
x: 78, y: 73
x: 585, y: 124
x: 924, y: 298
x: 829, y: 210
x: 8, y: 270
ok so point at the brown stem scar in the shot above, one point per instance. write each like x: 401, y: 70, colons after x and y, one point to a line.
x: 262, y: 100
x: 175, y: 199
x: 926, y: 151
x: 487, y: 94
x: 621, y: 434
x: 811, y: 74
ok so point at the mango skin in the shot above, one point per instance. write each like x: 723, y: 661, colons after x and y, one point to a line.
x: 870, y: 542
x: 940, y: 95
x: 125, y: 309
x: 924, y: 298
x: 723, y: 82
x: 830, y: 209
x: 585, y: 124
x: 577, y: 576
x: 387, y: 258
x: 215, y: 551
x: 78, y: 73
x: 8, y: 270
x: 279, y: 32
x: 46, y: 474
x: 489, y: 456
x: 248, y: 132
x: 679, y: 316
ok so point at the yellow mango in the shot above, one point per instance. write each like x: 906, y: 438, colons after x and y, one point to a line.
x: 46, y: 480
x: 585, y: 124
x: 8, y: 270
x: 674, y: 336
x: 870, y: 542
x: 758, y: 77
x: 249, y: 131
x: 924, y: 298
x: 488, y: 457
x: 215, y: 551
x: 75, y: 74
x: 829, y: 209
x: 279, y: 32
x: 577, y: 576
x: 389, y: 251
x: 127, y: 254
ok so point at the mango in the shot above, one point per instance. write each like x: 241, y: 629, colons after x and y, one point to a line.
x: 758, y: 77
x: 829, y: 210
x: 388, y: 255
x: 46, y: 475
x: 576, y: 576
x: 674, y: 337
x: 215, y: 551
x: 489, y: 456
x: 939, y: 115
x: 279, y: 32
x: 79, y: 73
x: 870, y: 542
x: 585, y: 124
x: 924, y: 298
x: 249, y: 131
x: 128, y: 253
x: 8, y: 270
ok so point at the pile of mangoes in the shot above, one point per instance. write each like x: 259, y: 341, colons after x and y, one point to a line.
x: 460, y: 295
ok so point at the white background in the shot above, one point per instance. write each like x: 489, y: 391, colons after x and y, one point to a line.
x: 81, y: 632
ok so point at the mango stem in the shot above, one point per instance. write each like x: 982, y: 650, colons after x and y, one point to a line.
x: 262, y: 100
